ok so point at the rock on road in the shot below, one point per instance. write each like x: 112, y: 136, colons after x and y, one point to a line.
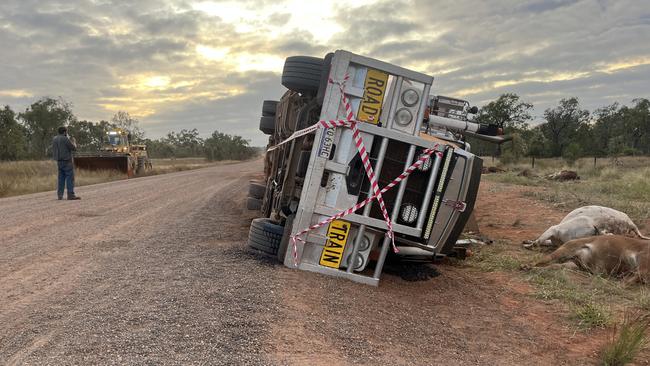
x: 155, y: 270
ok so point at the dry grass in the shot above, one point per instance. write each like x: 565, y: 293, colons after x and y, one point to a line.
x: 591, y: 301
x: 24, y: 177
x: 630, y: 339
x: 624, y: 186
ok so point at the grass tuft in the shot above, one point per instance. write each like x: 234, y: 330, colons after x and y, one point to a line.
x: 630, y: 340
x: 591, y: 315
x: 493, y: 259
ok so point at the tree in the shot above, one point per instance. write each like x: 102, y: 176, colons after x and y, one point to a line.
x: 562, y: 123
x: 42, y: 119
x: 89, y: 135
x: 12, y: 136
x: 606, y: 125
x: 636, y: 125
x: 507, y: 112
x: 123, y: 120
x: 221, y: 146
x: 159, y: 148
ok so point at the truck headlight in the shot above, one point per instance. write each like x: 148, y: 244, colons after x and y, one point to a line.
x: 403, y: 117
x: 358, y: 261
x: 410, y: 97
x: 409, y: 213
x: 365, y: 244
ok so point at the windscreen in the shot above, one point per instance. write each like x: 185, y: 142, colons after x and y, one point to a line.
x: 114, y: 140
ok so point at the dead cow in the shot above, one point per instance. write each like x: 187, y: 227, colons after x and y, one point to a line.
x: 587, y: 221
x: 610, y: 255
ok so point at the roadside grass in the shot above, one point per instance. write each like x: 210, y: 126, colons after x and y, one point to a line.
x: 25, y: 177
x: 628, y: 341
x: 591, y: 301
x: 591, y: 315
x: 623, y: 186
x: 494, y: 258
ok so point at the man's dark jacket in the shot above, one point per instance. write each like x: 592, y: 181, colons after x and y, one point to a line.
x: 62, y: 148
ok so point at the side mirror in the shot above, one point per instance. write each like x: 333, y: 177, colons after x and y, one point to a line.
x: 473, y: 110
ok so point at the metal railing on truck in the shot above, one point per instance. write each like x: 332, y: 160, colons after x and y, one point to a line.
x: 385, y: 126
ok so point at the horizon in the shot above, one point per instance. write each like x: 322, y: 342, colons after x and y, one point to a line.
x: 209, y: 65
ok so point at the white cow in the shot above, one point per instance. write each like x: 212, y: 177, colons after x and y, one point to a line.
x: 588, y: 221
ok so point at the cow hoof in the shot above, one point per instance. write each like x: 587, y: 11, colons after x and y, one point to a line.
x: 525, y: 267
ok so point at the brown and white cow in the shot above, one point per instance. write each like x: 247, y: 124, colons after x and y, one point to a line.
x: 610, y: 255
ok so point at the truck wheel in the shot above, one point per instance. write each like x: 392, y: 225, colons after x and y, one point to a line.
x: 302, y: 74
x: 265, y: 236
x: 140, y: 167
x: 286, y: 238
x: 256, y: 190
x: 254, y: 204
x: 267, y: 125
x: 269, y: 108
x: 324, y: 76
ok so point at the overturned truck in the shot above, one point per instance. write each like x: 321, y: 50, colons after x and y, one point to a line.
x: 362, y: 159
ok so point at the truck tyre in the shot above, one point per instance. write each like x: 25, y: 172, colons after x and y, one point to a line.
x: 324, y: 76
x: 269, y: 108
x: 267, y: 125
x: 256, y: 190
x: 253, y: 204
x: 302, y: 74
x: 265, y: 236
x: 141, y: 166
x: 286, y: 238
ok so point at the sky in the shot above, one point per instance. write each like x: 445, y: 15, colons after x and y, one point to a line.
x: 208, y: 65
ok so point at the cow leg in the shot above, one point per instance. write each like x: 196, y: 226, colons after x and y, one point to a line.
x: 570, y: 265
x: 632, y: 279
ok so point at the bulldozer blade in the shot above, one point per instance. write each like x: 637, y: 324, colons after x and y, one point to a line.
x: 119, y: 163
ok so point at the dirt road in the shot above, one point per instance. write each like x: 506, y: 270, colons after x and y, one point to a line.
x: 155, y: 270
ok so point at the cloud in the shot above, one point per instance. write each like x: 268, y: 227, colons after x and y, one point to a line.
x: 209, y: 64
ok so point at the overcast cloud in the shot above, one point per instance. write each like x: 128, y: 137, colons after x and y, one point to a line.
x: 208, y: 65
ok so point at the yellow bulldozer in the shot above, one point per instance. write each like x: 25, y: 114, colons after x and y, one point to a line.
x: 116, y: 153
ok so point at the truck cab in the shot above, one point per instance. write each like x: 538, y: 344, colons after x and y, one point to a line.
x: 312, y: 177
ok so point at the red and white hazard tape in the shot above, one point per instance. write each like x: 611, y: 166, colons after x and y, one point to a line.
x: 294, y: 238
x: 351, y: 123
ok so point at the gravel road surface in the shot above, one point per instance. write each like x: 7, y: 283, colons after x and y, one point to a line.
x: 142, y: 271
x: 155, y: 270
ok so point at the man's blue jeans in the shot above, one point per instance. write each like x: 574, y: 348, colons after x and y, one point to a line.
x: 66, y: 178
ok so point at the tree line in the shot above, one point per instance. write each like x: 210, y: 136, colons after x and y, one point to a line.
x: 28, y: 135
x: 567, y: 130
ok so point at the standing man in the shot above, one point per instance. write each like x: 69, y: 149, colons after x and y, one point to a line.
x: 62, y: 148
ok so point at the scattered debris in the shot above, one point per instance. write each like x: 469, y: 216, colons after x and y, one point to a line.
x: 412, y: 271
x: 527, y: 173
x: 492, y: 169
x: 563, y: 176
